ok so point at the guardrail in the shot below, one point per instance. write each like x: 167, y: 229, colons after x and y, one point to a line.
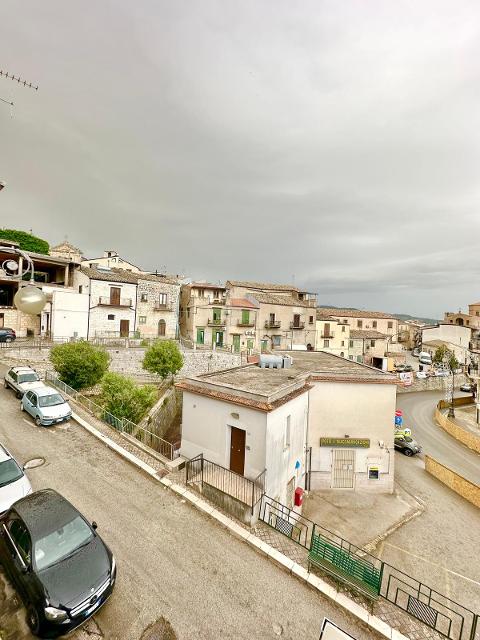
x: 122, y: 425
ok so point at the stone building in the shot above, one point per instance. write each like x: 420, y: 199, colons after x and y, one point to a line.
x: 158, y: 300
x: 331, y: 335
x: 367, y: 346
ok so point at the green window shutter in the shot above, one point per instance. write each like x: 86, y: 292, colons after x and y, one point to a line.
x: 245, y: 316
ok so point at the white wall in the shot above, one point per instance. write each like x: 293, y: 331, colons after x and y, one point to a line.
x: 360, y: 411
x: 69, y: 315
x: 458, y: 338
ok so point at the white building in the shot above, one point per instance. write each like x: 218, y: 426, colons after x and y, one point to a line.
x: 110, y: 260
x: 455, y: 337
x: 337, y: 413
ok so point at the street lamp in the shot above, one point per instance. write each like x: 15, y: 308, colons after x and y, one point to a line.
x: 29, y: 299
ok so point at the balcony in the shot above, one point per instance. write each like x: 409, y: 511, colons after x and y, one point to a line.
x: 216, y: 322
x: 327, y: 336
x: 105, y: 301
x: 250, y: 323
x: 272, y: 324
x: 297, y: 325
x: 163, y: 306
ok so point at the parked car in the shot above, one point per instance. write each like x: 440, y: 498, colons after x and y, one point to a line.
x: 61, y: 567
x: 442, y: 373
x: 46, y: 406
x: 416, y: 352
x: 406, y: 445
x: 467, y: 387
x: 14, y: 484
x: 424, y: 357
x: 21, y: 379
x: 7, y: 335
x: 400, y: 368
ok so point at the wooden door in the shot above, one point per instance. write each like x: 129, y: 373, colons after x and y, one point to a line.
x: 296, y: 320
x: 237, y: 450
x: 115, y: 296
x: 326, y: 331
x: 161, y: 327
x: 124, y: 328
x: 236, y: 343
x: 200, y: 336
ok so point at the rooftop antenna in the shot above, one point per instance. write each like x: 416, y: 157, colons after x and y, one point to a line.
x: 19, y: 80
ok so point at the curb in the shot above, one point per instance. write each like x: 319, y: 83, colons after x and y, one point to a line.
x: 256, y: 543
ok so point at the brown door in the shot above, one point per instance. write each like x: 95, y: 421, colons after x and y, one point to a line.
x: 237, y: 450
x: 124, y: 328
x: 115, y: 296
x: 161, y: 327
x: 296, y: 320
x: 327, y: 330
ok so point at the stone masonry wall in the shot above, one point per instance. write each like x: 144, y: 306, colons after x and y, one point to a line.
x: 431, y: 384
x: 457, y: 483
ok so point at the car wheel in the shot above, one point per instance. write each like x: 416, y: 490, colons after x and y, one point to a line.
x: 22, y: 408
x: 38, y: 422
x: 408, y: 452
x: 33, y: 620
x: 5, y: 384
x: 8, y: 339
x: 19, y: 395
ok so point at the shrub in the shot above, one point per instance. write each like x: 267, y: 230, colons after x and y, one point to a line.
x: 124, y: 399
x: 27, y: 241
x: 79, y: 364
x: 163, y: 358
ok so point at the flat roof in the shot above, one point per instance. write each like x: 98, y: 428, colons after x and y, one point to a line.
x: 265, y: 389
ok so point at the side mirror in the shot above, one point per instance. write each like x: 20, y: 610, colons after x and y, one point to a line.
x: 94, y: 525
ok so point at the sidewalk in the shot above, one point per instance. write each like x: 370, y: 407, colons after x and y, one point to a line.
x: 363, y: 519
x: 465, y: 417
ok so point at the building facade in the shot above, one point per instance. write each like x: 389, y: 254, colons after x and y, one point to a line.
x: 111, y: 260
x: 332, y: 336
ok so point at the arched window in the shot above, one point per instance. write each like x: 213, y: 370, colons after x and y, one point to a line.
x: 161, y: 327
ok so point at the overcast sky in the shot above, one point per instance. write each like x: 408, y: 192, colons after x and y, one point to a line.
x: 333, y: 144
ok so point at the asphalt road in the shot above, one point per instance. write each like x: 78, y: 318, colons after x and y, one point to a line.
x: 418, y: 410
x: 173, y: 561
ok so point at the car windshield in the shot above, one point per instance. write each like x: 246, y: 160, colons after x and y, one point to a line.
x: 9, y: 472
x: 407, y: 439
x: 28, y: 377
x: 50, y: 401
x: 61, y: 543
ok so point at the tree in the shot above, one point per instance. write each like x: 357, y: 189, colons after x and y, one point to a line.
x: 79, y: 364
x: 124, y: 399
x: 163, y: 358
x: 27, y: 241
x: 440, y: 354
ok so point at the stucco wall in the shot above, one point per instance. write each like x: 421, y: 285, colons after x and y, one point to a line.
x: 360, y: 411
x: 99, y: 322
x: 69, y: 314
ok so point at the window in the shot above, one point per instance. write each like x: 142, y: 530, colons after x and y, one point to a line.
x: 62, y: 542
x: 276, y: 340
x: 142, y: 319
x: 21, y: 539
x: 144, y: 297
x: 372, y: 343
x: 286, y: 441
x: 350, y: 357
x: 342, y: 355
x: 201, y: 293
x: 80, y: 288
x: 343, y: 329
x: 245, y: 317
x: 326, y: 343
x: 359, y: 324
x: 110, y: 316
x: 162, y: 298
x: 374, y: 324
x: 351, y: 344
x: 343, y: 343
x: 359, y: 359
x: 390, y: 325
x: 310, y: 320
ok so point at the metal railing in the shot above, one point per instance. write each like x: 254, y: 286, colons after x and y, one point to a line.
x: 297, y: 325
x: 111, y: 302
x: 163, y: 306
x: 216, y: 322
x: 201, y: 471
x: 273, y: 324
x: 249, y: 323
x: 327, y: 335
x: 439, y: 612
x: 123, y: 425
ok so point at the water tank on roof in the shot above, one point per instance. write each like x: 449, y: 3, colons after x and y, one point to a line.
x: 270, y: 361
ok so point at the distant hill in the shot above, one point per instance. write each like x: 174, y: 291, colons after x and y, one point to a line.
x: 400, y: 316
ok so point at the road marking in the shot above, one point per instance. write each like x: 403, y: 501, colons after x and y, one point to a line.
x: 433, y: 563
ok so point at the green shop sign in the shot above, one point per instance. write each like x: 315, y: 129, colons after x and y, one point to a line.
x: 363, y: 443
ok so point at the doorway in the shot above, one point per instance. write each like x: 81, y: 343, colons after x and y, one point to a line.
x: 161, y: 327
x: 124, y: 328
x: 237, y: 450
x: 343, y: 468
x: 115, y: 297
x: 236, y: 343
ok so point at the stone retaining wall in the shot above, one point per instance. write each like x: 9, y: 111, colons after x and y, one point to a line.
x: 457, y: 483
x: 431, y: 384
x: 471, y: 440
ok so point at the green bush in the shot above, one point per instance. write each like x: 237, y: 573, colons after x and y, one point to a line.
x: 124, y: 399
x: 27, y: 241
x: 79, y: 364
x: 163, y: 358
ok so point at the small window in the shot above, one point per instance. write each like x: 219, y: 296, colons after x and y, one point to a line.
x: 342, y: 355
x: 142, y: 319
x: 343, y: 343
x: 374, y: 324
x: 311, y: 320
x: 343, y: 329
x: 162, y: 298
x: 110, y: 316
x: 350, y: 357
x: 80, y: 288
x: 390, y: 325
x: 326, y: 343
x: 201, y: 293
x: 372, y: 343
x: 286, y: 442
x: 277, y: 340
x: 351, y: 343
x: 359, y: 324
x: 144, y: 297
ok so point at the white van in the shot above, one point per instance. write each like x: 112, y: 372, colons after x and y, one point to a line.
x: 424, y: 357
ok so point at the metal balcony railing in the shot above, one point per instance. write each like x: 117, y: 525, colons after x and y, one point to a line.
x: 241, y: 323
x: 297, y: 325
x: 112, y: 302
x: 216, y: 322
x: 327, y: 336
x: 272, y: 324
x: 163, y: 306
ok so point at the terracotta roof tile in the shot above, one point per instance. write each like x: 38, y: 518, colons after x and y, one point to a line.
x: 367, y: 333
x: 351, y: 313
x: 262, y: 286
x: 272, y: 298
x: 242, y: 302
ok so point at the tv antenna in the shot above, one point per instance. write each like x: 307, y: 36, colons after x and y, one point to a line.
x: 19, y: 80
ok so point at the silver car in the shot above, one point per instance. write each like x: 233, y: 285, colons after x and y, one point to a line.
x: 21, y: 380
x: 14, y: 484
x: 46, y: 406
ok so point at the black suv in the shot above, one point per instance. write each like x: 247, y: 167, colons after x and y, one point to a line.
x: 7, y: 335
x: 62, y: 569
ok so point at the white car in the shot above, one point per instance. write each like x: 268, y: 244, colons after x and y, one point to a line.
x: 442, y: 373
x: 46, y: 406
x: 14, y: 484
x: 21, y: 380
